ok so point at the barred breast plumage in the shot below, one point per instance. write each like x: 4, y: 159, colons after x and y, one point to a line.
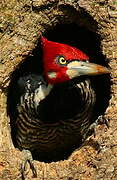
x: 53, y: 121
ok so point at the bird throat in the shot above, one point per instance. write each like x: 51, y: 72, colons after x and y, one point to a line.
x: 54, y: 104
x: 62, y: 102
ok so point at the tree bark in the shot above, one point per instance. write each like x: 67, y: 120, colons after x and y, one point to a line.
x: 21, y: 24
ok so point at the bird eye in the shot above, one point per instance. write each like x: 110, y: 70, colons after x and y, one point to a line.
x: 62, y: 60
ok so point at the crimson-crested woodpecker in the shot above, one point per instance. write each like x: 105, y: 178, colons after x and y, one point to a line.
x: 56, y: 108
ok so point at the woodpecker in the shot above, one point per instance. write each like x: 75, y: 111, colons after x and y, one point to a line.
x: 56, y: 108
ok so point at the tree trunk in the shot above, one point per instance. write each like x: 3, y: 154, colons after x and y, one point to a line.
x: 87, y: 24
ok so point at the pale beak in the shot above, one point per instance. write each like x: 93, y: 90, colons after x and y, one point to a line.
x: 79, y: 68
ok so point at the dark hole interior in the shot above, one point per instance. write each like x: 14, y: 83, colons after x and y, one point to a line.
x: 80, y: 37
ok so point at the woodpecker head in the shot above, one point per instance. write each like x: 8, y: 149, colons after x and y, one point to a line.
x: 63, y: 62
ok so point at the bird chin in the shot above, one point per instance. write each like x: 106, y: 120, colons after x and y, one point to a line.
x: 69, y: 83
x: 79, y: 79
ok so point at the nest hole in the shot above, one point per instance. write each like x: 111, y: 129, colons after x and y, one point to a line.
x: 74, y: 35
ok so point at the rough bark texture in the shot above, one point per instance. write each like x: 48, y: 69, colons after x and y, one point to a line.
x: 21, y: 23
